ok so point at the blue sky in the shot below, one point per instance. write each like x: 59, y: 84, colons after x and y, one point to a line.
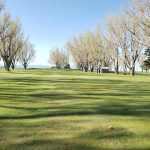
x: 51, y: 23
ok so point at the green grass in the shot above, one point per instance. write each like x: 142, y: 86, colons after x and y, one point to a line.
x: 46, y: 109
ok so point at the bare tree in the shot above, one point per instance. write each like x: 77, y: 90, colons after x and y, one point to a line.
x: 59, y: 58
x: 117, y: 39
x: 134, y: 36
x: 127, y: 35
x: 86, y: 50
x: 73, y: 45
x: 10, y: 39
x: 112, y: 43
x: 139, y: 10
x: 27, y: 54
x: 97, y: 49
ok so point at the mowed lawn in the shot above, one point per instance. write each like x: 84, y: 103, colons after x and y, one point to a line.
x: 45, y: 109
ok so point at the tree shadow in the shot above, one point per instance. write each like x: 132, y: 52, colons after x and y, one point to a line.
x: 56, y: 144
x: 81, y: 141
x: 111, y: 97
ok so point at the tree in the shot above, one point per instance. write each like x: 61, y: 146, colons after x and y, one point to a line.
x: 125, y: 31
x: 135, y: 44
x: 146, y: 62
x: 59, y: 58
x: 10, y: 39
x: 118, y: 36
x: 140, y: 11
x: 27, y: 54
x: 97, y: 49
x: 78, y: 47
x: 65, y: 59
x: 112, y: 41
x: 146, y: 65
x: 86, y: 50
x: 147, y: 53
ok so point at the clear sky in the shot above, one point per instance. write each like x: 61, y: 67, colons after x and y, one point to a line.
x: 51, y: 23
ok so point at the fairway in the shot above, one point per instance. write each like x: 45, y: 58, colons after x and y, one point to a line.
x: 45, y: 109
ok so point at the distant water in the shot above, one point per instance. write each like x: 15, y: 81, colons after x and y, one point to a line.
x: 30, y: 66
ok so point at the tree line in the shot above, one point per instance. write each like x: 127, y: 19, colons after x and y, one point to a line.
x: 14, y: 47
x: 123, y: 44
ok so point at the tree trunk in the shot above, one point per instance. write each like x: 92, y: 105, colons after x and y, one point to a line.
x: 81, y: 67
x: 117, y: 67
x: 25, y: 66
x: 7, y: 68
x: 92, y: 69
x: 98, y: 70
x: 132, y: 71
x: 125, y: 69
x: 7, y: 64
x: 12, y: 66
x: 86, y: 69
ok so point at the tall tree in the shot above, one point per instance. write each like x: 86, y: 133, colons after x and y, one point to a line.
x: 119, y: 36
x: 126, y: 31
x: 135, y: 44
x: 10, y: 39
x: 27, y: 54
x: 86, y: 50
x: 140, y: 11
x: 112, y: 41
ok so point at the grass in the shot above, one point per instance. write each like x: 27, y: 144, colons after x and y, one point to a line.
x: 46, y: 109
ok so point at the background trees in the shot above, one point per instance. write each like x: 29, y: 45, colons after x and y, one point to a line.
x: 86, y: 50
x: 146, y: 63
x: 27, y: 54
x: 113, y: 41
x: 140, y: 11
x: 13, y: 47
x: 59, y: 58
x: 122, y: 45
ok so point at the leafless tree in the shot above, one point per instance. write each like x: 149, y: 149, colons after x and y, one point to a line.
x: 59, y: 58
x: 112, y: 43
x: 10, y: 39
x: 139, y: 10
x: 86, y: 50
x: 127, y: 35
x: 27, y: 54
x: 73, y: 45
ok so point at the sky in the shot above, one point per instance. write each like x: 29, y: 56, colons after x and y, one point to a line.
x: 50, y: 23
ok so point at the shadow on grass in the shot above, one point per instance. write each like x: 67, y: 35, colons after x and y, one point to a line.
x: 90, y: 97
x: 110, y: 134
x: 116, y: 95
x: 44, y: 112
x: 41, y: 144
x: 83, y: 141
